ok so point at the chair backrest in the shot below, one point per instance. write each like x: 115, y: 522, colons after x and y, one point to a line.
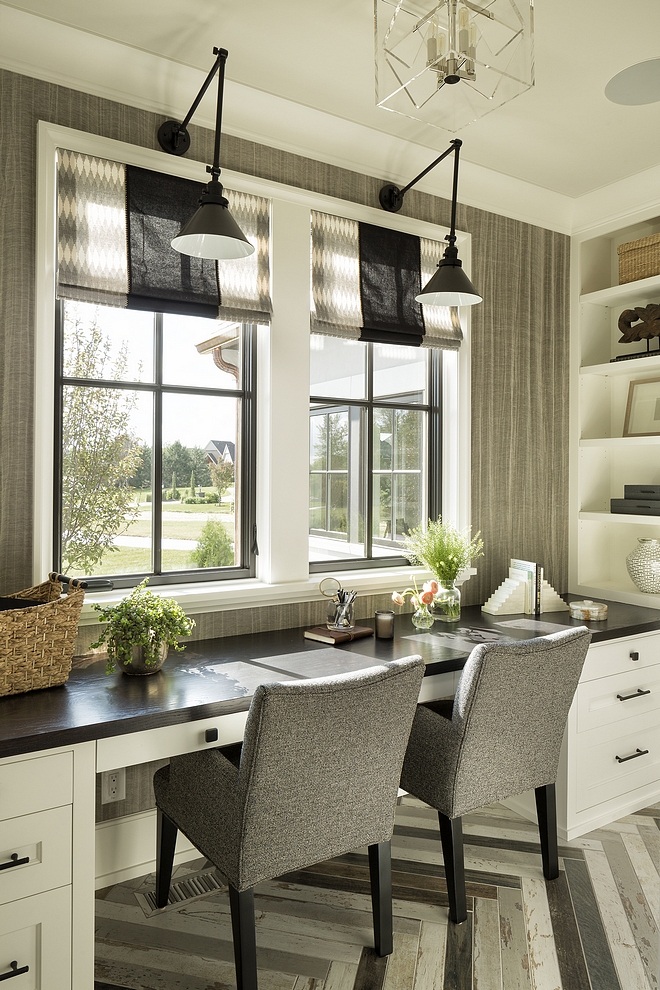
x: 510, y: 712
x: 320, y: 765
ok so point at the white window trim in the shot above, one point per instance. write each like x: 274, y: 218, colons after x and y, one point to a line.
x: 283, y: 385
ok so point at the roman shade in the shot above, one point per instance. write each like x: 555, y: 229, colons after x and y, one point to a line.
x: 115, y: 225
x: 364, y: 282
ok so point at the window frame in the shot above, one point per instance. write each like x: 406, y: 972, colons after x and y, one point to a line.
x: 282, y: 483
x: 433, y: 454
x: 157, y: 388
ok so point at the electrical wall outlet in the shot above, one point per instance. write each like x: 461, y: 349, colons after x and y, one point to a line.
x: 113, y: 786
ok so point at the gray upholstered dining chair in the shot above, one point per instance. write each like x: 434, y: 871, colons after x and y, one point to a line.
x: 317, y: 776
x: 500, y: 736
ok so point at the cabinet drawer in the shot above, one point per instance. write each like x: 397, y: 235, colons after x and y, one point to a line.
x: 600, y: 776
x: 36, y: 932
x: 35, y: 785
x: 614, y: 657
x: 170, y: 740
x: 45, y: 840
x: 599, y: 701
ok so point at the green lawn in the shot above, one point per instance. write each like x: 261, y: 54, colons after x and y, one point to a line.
x: 133, y: 560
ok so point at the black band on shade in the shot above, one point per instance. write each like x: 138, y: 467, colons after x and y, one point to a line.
x: 157, y: 206
x: 389, y: 282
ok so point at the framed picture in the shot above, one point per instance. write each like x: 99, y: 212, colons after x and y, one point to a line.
x: 643, y: 409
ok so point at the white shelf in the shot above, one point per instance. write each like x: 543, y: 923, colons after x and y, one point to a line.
x: 619, y: 517
x: 621, y: 442
x: 614, y: 592
x: 634, y: 366
x: 629, y: 292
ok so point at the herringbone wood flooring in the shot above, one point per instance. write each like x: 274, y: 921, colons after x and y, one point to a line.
x: 595, y: 928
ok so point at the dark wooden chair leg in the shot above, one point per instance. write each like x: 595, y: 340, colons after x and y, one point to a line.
x: 165, y: 845
x: 546, y: 810
x: 245, y: 939
x: 380, y: 871
x: 451, y: 834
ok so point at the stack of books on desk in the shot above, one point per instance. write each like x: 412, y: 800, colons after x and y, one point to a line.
x: 638, y: 500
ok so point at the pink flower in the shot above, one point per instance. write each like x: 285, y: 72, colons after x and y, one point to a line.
x: 414, y: 602
x: 398, y: 599
x: 426, y: 597
x: 432, y: 586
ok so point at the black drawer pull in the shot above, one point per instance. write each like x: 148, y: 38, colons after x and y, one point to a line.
x: 638, y: 752
x: 211, y: 735
x: 638, y: 694
x: 15, y: 861
x: 15, y: 971
x: 634, y: 656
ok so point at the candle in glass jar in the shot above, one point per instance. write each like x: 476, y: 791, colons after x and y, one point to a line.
x: 384, y: 624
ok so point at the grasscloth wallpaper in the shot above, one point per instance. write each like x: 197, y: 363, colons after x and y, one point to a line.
x: 520, y: 334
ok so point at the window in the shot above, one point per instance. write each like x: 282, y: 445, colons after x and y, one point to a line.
x: 154, y: 447
x: 375, y: 455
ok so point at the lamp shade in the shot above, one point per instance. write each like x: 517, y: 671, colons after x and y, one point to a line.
x: 213, y: 233
x: 450, y: 286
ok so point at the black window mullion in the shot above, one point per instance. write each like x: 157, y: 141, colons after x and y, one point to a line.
x: 369, y: 459
x: 248, y: 488
x: 434, y: 433
x: 57, y: 437
x: 157, y: 450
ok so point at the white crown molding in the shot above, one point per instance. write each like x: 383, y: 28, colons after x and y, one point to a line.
x: 66, y: 56
x: 619, y: 201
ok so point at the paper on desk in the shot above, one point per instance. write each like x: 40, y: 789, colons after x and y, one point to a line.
x: 461, y: 641
x: 534, y: 624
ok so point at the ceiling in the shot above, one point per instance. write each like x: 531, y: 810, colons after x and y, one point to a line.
x: 562, y: 135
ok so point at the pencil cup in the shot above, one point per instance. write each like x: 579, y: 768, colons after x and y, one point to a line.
x: 340, y: 616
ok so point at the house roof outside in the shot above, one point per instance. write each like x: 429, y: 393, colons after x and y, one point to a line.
x: 220, y: 450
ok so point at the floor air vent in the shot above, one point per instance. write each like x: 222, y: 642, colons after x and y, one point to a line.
x: 188, y: 888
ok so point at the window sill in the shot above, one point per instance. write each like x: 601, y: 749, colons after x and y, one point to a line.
x: 224, y: 595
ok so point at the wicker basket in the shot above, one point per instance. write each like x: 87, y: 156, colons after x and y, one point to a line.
x: 36, y: 643
x: 639, y: 259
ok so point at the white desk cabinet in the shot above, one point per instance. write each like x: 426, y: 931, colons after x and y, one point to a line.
x: 610, y: 758
x: 47, y: 868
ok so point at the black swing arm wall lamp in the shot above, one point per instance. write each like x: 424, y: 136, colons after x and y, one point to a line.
x: 211, y: 232
x: 450, y: 286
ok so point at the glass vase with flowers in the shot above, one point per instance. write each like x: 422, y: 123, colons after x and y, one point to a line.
x: 421, y: 601
x: 445, y: 551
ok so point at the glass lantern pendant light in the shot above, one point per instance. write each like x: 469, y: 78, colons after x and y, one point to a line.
x: 450, y: 286
x: 448, y: 62
x: 211, y: 232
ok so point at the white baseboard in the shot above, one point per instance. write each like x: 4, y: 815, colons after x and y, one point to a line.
x: 126, y: 848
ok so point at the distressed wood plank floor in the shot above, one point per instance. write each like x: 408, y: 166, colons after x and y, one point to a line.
x: 595, y: 928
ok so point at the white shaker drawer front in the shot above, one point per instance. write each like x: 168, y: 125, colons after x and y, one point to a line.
x: 170, y: 740
x: 621, y: 696
x: 35, y: 785
x: 615, y: 759
x: 618, y: 656
x: 40, y: 847
x: 36, y: 933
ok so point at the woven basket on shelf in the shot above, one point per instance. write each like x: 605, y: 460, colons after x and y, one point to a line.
x: 639, y: 259
x: 36, y: 643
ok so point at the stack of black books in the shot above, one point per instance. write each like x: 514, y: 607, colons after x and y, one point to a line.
x: 638, y: 500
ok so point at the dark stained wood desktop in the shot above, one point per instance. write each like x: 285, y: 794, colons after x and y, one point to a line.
x: 93, y: 706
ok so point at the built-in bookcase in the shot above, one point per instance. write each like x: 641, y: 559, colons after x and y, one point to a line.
x: 602, y: 460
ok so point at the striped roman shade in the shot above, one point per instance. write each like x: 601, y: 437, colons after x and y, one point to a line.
x: 115, y: 225
x: 338, y: 287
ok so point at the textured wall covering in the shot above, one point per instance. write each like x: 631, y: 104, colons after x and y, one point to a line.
x: 519, y: 334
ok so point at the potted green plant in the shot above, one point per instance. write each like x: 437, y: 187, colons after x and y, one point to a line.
x: 140, y: 629
x: 445, y: 551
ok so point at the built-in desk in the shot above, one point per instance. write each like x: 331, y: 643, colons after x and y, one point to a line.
x: 53, y: 742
